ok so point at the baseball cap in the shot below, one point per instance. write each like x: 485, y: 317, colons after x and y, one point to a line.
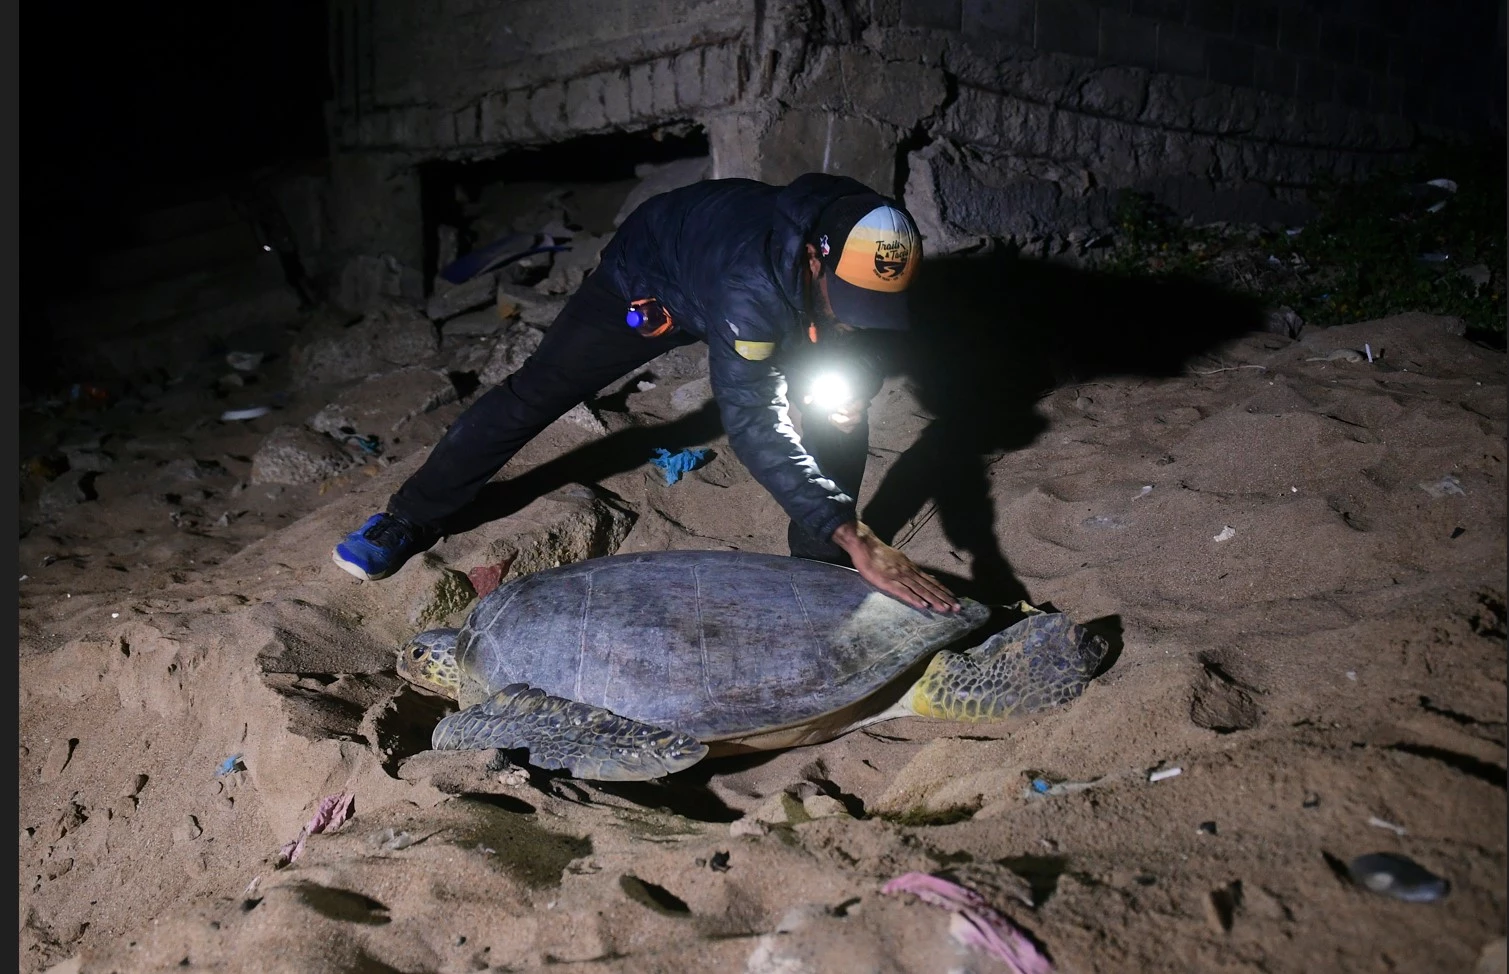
x: 870, y: 249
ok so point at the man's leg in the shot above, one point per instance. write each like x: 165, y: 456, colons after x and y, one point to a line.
x: 841, y: 457
x: 586, y: 348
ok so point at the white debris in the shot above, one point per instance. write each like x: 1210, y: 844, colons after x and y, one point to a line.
x: 1379, y: 823
x: 1227, y: 533
x: 1162, y: 773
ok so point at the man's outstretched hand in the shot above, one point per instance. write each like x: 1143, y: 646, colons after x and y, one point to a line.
x: 891, y: 571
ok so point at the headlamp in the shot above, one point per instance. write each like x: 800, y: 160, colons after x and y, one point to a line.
x: 830, y: 390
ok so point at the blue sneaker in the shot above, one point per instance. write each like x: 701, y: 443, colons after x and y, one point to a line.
x: 381, y: 547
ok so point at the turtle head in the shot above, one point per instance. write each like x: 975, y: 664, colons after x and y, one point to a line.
x: 429, y: 660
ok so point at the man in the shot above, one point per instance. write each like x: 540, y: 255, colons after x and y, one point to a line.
x: 757, y: 272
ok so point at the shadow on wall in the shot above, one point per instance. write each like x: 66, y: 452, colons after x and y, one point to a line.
x: 991, y: 336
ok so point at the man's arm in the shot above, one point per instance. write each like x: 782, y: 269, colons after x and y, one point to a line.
x: 752, y: 400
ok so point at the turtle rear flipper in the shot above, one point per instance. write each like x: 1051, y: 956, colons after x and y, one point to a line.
x: 1044, y: 661
x: 590, y: 742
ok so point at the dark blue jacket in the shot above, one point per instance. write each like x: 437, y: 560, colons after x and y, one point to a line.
x: 725, y: 257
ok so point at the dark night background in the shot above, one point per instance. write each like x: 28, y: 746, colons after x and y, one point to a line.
x: 144, y: 104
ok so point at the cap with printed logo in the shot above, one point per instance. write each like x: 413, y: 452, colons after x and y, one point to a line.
x: 870, y: 249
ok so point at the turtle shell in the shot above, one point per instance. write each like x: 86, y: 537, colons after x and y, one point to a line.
x: 716, y: 644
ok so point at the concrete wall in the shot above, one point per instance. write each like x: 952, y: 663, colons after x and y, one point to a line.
x: 1015, y: 119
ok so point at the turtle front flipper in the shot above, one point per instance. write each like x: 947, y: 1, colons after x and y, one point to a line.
x: 590, y: 742
x: 1043, y: 661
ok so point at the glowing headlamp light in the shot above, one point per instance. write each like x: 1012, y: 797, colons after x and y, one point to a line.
x: 830, y: 390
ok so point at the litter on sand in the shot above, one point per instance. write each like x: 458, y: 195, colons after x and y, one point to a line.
x: 1447, y: 486
x: 333, y: 811
x: 1227, y: 533
x: 1162, y: 773
x: 232, y: 763
x: 254, y: 412
x: 975, y: 923
x: 1397, y: 876
x: 676, y: 464
x: 1379, y: 823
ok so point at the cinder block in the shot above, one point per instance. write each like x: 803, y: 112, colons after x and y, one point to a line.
x: 641, y: 95
x: 1010, y: 20
x: 1257, y: 22
x: 1338, y: 40
x: 468, y: 124
x: 1181, y: 50
x: 1068, y: 27
x: 616, y: 97
x: 516, y: 113
x: 662, y: 87
x: 441, y: 128
x: 1171, y: 11
x: 1128, y: 40
x: 547, y: 107
x: 1230, y: 60
x: 1216, y: 16
x: 1315, y: 81
x: 688, y: 71
x: 1298, y: 31
x: 1273, y: 71
x: 492, y: 125
x: 584, y: 103
x: 720, y: 75
x: 936, y: 14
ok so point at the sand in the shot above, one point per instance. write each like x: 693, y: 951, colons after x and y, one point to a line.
x: 1300, y: 559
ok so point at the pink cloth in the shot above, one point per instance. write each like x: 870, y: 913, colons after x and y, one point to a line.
x: 332, y: 812
x: 975, y: 922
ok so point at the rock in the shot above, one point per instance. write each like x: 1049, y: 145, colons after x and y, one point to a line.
x: 367, y: 282
x: 682, y: 362
x: 693, y: 395
x: 1478, y: 274
x: 188, y: 830
x: 58, y: 757
x: 582, y: 415
x: 1283, y: 320
x: 383, y: 404
x: 87, y: 457
x: 392, y: 336
x: 292, y: 455
x: 66, y: 492
x: 655, y: 179
x: 781, y: 808
x: 430, y: 592
x: 487, y: 321
x: 533, y: 307
x: 517, y: 343
x: 748, y: 825
x: 547, y: 533
x: 823, y: 806
x: 452, y: 299
x: 927, y: 200
x: 571, y: 266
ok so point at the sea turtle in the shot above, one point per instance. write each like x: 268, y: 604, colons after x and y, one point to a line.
x: 631, y: 667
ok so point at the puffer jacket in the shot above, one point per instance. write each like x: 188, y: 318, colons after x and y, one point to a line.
x: 725, y: 257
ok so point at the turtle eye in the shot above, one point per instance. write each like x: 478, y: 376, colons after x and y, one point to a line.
x: 417, y: 652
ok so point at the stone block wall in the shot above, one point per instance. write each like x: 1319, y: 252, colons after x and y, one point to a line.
x: 996, y: 119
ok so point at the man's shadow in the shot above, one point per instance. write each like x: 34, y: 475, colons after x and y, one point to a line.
x: 991, y: 336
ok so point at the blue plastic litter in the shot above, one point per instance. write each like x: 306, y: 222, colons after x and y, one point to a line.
x: 505, y: 250
x: 232, y: 763
x: 1040, y: 786
x: 676, y: 464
